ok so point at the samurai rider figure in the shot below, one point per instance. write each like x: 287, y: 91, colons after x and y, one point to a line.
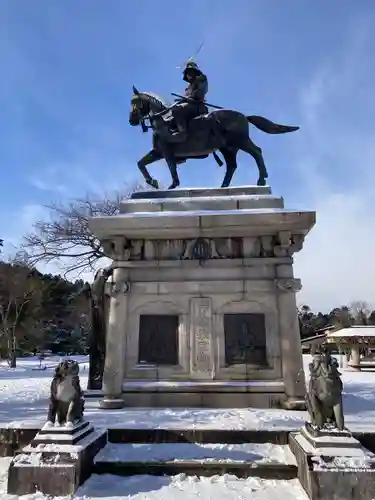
x: 195, y: 94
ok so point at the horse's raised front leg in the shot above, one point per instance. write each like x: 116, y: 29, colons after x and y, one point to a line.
x: 151, y: 157
x: 230, y: 157
x: 248, y: 146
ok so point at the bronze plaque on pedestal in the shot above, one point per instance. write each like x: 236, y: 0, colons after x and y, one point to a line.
x: 158, y: 339
x: 245, y: 339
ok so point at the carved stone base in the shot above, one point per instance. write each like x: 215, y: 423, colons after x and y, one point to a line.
x: 220, y: 261
x: 325, y: 432
x: 62, y: 435
x: 112, y: 404
x: 57, y: 461
x: 333, y: 465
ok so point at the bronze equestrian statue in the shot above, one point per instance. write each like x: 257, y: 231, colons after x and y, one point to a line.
x: 199, y: 133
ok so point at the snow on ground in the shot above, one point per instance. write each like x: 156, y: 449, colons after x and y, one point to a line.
x: 226, y: 487
x: 23, y: 402
x: 24, y: 390
x: 24, y: 393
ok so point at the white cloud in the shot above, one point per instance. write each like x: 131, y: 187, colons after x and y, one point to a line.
x: 337, y: 263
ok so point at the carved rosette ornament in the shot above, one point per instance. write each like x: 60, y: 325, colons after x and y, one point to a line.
x: 289, y: 284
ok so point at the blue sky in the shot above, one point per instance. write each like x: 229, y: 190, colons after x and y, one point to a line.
x: 67, y: 71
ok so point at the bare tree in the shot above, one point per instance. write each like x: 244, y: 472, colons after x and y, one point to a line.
x: 20, y: 298
x: 360, y: 311
x: 65, y: 236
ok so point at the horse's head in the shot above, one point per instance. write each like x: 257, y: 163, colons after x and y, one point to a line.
x: 143, y: 105
x: 140, y: 108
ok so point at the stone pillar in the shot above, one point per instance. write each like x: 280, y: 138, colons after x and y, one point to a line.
x: 114, y: 366
x: 355, y: 359
x: 290, y: 341
x: 202, y: 357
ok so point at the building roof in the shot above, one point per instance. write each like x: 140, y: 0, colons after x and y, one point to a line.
x: 325, y: 329
x: 314, y: 339
x: 353, y: 331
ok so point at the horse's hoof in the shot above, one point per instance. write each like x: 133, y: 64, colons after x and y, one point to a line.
x: 153, y: 183
x: 261, y: 182
x: 174, y: 185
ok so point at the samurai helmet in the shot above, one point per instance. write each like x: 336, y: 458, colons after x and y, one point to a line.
x: 191, y: 66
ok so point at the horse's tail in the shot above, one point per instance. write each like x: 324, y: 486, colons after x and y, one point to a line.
x: 269, y: 127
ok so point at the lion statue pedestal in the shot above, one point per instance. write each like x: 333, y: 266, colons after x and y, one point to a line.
x: 60, y: 457
x: 331, y: 462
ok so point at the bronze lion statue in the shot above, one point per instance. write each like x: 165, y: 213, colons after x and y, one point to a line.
x: 66, y: 399
x: 324, y: 397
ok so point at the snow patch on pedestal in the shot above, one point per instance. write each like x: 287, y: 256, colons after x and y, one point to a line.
x: 65, y: 448
x: 341, y: 463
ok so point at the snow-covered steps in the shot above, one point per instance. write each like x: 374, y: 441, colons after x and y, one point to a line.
x: 242, y: 460
x: 228, y: 436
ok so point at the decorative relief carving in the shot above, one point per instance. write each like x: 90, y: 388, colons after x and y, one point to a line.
x: 120, y: 287
x: 200, y: 249
x: 200, y: 318
x: 251, y: 247
x: 289, y: 284
x: 296, y: 243
x: 120, y: 248
x: 228, y: 248
x: 164, y: 249
x: 284, y: 244
x: 267, y: 245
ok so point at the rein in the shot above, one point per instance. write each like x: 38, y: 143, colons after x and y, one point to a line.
x: 149, y: 99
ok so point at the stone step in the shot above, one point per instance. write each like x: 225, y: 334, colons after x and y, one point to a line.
x: 201, y: 436
x: 235, y: 202
x: 198, y: 192
x: 262, y: 460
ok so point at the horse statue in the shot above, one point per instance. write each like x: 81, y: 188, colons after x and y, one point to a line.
x: 324, y: 396
x: 221, y: 130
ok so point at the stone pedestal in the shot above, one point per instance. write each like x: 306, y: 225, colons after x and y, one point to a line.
x: 203, y: 309
x: 57, y: 461
x: 333, y: 465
